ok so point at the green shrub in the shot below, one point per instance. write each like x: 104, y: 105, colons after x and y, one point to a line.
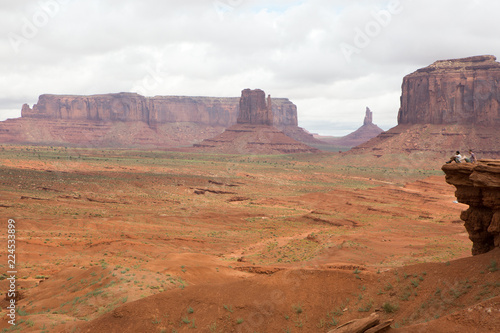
x: 390, y: 308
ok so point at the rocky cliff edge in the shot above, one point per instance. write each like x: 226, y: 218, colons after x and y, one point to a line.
x: 478, y: 185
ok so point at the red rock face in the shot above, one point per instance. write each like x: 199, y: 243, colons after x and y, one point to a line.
x: 461, y: 91
x: 211, y: 111
x: 112, y: 107
x: 253, y: 108
x: 478, y: 185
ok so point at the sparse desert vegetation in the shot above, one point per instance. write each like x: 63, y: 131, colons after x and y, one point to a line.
x: 173, y: 239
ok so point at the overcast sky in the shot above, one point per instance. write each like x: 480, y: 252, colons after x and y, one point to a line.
x: 331, y: 58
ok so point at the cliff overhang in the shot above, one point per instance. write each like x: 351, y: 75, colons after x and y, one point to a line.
x: 478, y: 185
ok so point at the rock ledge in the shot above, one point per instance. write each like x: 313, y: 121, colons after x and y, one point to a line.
x: 478, y: 185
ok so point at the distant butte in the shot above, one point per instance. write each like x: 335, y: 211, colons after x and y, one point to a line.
x: 254, y: 109
x: 254, y: 133
x: 366, y: 132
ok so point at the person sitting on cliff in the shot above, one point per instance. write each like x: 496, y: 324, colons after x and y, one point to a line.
x: 457, y: 158
x: 472, y: 158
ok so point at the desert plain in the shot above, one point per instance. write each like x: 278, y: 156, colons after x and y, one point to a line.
x: 120, y: 240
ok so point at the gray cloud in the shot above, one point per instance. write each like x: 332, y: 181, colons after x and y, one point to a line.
x: 294, y: 49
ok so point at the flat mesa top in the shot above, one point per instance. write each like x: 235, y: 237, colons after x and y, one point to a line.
x: 485, y: 62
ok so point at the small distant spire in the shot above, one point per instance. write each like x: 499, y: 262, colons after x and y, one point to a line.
x: 369, y: 117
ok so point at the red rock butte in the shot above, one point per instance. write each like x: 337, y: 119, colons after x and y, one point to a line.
x: 447, y: 106
x: 254, y: 133
x: 254, y: 109
x: 461, y: 91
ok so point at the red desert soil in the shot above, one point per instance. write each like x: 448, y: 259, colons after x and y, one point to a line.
x: 152, y: 241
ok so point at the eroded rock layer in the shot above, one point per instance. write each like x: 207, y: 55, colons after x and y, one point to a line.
x: 478, y: 185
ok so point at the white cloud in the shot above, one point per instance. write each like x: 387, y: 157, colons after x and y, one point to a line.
x: 217, y: 48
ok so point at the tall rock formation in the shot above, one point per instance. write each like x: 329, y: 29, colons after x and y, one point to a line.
x: 368, y: 117
x: 253, y: 133
x: 254, y: 109
x: 478, y: 185
x: 450, y: 105
x: 460, y: 91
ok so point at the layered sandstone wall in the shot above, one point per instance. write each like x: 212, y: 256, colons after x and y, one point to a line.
x: 152, y: 110
x: 478, y: 185
x: 460, y: 91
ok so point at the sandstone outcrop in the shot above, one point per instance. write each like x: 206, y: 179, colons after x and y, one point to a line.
x: 478, y: 185
x: 450, y: 105
x: 253, y: 133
